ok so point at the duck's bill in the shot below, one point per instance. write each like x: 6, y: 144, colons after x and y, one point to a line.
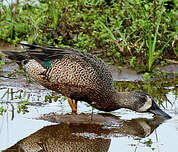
x: 157, y: 111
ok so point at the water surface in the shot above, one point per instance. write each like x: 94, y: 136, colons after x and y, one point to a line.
x: 50, y: 126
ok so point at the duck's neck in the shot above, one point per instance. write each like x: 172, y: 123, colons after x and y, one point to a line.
x: 122, y: 100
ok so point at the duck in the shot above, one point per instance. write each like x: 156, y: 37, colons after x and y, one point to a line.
x: 80, y: 76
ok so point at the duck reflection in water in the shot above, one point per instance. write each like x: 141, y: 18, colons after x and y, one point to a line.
x: 83, y: 133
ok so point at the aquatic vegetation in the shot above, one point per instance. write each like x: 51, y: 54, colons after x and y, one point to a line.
x: 1, y: 62
x: 1, y: 110
x: 23, y: 98
x: 23, y: 107
x: 145, y: 143
x: 50, y: 98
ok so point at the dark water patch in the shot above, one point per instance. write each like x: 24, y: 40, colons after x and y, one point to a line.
x: 160, y: 72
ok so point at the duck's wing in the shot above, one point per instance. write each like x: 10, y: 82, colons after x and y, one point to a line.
x: 46, y: 55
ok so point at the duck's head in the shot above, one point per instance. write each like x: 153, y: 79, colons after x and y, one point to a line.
x: 143, y: 102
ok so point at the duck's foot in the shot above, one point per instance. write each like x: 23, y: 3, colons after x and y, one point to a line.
x: 73, y: 105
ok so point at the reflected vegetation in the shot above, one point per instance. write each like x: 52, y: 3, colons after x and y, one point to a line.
x: 83, y: 132
x: 24, y: 97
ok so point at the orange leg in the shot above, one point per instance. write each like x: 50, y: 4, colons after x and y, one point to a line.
x: 73, y: 105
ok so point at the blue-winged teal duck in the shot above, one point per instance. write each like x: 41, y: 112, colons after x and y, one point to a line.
x: 80, y: 76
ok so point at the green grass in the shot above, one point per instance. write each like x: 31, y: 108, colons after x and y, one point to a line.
x: 152, y: 43
x: 133, y: 32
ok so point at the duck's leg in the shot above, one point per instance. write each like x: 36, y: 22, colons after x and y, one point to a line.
x: 73, y: 105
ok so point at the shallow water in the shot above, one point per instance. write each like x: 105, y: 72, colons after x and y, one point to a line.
x: 50, y: 127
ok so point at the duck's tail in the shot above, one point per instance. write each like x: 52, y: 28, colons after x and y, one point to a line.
x: 41, y: 54
x: 18, y: 57
x: 26, y: 46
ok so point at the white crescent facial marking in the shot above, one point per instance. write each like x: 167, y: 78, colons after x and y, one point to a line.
x: 146, y: 106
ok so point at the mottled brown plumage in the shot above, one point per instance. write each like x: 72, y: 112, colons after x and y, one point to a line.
x: 79, y: 76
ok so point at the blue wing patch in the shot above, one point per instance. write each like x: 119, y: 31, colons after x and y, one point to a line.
x: 47, y: 63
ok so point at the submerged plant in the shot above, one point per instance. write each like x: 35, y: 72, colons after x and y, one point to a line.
x: 1, y: 62
x: 1, y: 110
x: 23, y: 107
